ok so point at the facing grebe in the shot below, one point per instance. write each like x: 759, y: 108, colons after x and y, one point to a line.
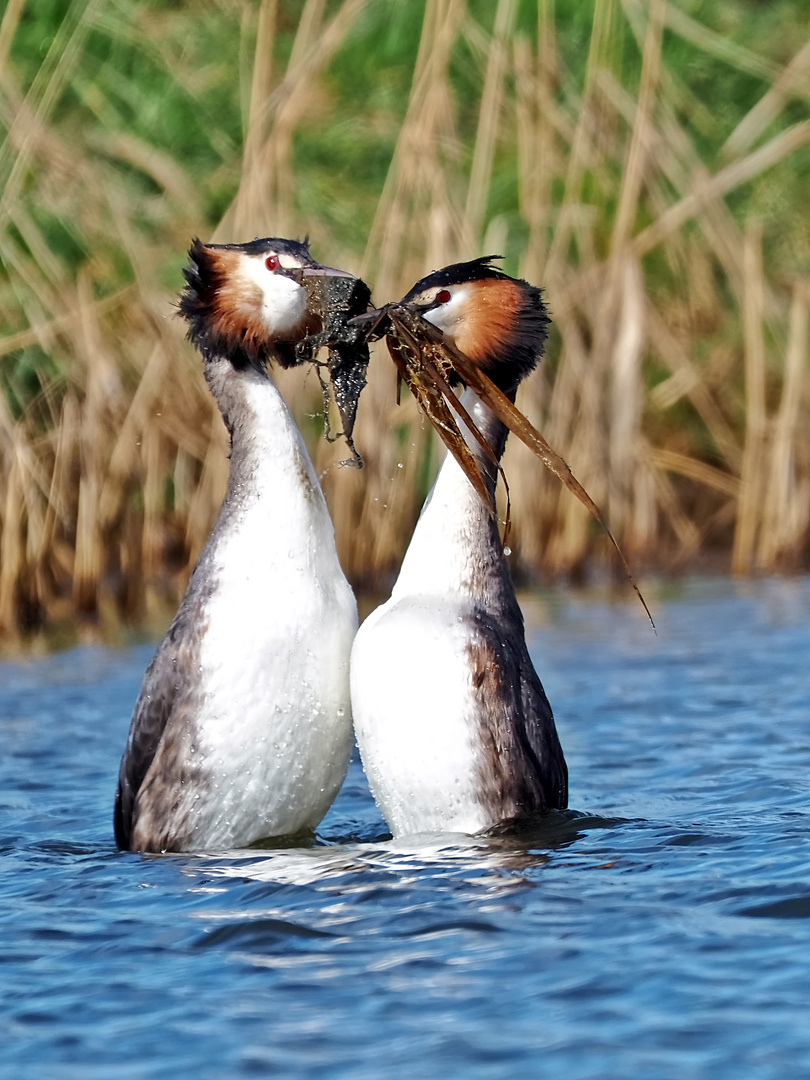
x: 455, y: 731
x: 243, y: 725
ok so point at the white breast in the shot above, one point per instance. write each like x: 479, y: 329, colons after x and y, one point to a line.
x: 275, y: 724
x: 415, y: 709
x: 414, y: 715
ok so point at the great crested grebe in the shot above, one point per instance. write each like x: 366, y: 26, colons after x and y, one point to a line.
x: 243, y: 725
x: 454, y: 728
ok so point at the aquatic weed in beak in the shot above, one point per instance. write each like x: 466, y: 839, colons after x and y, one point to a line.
x: 336, y: 298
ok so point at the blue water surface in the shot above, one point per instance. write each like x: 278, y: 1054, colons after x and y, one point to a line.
x: 660, y: 929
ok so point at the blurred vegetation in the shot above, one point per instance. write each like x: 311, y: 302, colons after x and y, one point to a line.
x: 646, y: 162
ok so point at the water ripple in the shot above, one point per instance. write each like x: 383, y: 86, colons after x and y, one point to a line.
x: 659, y: 929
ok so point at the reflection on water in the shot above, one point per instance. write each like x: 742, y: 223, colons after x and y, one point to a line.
x: 659, y: 929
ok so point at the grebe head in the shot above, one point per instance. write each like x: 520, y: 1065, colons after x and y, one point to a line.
x: 249, y: 302
x: 499, y: 322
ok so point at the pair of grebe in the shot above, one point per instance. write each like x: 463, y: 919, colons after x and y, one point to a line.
x: 243, y: 727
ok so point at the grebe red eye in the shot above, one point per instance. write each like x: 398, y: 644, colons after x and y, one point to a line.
x: 272, y: 262
x: 442, y: 296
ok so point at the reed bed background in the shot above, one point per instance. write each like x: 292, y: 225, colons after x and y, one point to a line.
x: 646, y: 162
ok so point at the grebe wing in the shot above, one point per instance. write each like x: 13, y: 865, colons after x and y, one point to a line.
x: 522, y: 764
x: 165, y: 702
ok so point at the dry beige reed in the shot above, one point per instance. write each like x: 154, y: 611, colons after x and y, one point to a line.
x: 676, y: 379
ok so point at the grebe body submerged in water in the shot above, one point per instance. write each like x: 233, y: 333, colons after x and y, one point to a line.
x: 454, y: 727
x: 243, y: 725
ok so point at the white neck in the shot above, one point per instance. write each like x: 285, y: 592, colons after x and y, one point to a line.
x: 272, y: 481
x: 455, y: 547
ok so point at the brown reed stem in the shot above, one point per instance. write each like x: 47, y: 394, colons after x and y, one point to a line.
x: 752, y: 487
